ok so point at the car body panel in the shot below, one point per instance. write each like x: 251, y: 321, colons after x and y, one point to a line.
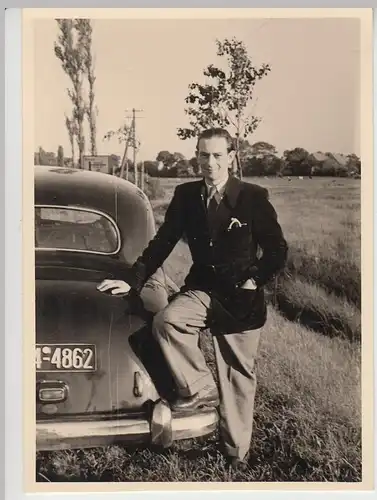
x: 74, y: 312
x: 125, y: 395
x: 127, y: 205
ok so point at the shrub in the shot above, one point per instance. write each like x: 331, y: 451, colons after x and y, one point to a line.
x: 153, y: 188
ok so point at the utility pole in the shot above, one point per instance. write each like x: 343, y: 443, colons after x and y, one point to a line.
x: 133, y: 135
x: 134, y: 145
x: 142, y: 175
x: 124, y: 159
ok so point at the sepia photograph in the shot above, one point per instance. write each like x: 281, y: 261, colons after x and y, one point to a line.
x: 197, y: 260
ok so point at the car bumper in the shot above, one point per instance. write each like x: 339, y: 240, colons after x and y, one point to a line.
x: 163, y: 428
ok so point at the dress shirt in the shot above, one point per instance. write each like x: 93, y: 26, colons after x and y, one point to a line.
x: 219, y: 190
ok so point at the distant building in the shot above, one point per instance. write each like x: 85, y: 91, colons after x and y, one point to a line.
x: 341, y: 159
x: 319, y: 157
x: 100, y: 163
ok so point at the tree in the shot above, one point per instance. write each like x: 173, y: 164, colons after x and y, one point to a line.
x: 72, y: 132
x: 297, y: 162
x: 245, y: 151
x: 353, y: 164
x: 263, y: 149
x: 167, y: 158
x: 71, y: 54
x: 195, y: 165
x: 254, y: 166
x: 260, y: 158
x: 42, y: 156
x: 151, y: 168
x: 46, y: 157
x: 184, y: 168
x: 85, y: 31
x: 124, y: 134
x: 60, y: 156
x: 273, y: 165
x: 178, y: 156
x: 226, y: 101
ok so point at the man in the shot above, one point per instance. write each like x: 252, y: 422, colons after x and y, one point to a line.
x: 224, y: 220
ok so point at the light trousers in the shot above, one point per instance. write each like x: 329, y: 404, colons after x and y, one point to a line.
x: 177, y: 328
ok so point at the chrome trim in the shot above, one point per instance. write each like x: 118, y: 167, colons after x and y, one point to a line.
x: 43, y: 385
x: 44, y: 400
x: 52, y: 435
x: 161, y: 425
x: 82, y: 209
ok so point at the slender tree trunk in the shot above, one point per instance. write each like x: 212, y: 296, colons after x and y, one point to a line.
x: 71, y: 134
x: 239, y: 166
x: 92, y: 114
x: 92, y: 125
x: 73, y: 151
x: 238, y: 159
x: 80, y: 114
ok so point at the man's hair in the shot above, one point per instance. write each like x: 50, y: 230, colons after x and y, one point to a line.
x: 216, y: 132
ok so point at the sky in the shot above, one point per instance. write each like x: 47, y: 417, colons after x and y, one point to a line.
x: 309, y: 99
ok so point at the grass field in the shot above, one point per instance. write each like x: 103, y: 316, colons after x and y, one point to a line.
x: 308, y: 403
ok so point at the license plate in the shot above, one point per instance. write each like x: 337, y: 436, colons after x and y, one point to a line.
x: 65, y: 357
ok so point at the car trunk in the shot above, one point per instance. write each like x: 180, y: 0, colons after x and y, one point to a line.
x: 83, y: 346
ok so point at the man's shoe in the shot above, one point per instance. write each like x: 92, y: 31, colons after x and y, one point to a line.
x: 206, y: 398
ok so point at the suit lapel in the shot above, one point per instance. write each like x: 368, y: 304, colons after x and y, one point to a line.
x: 203, y: 193
x: 202, y: 204
x: 232, y: 190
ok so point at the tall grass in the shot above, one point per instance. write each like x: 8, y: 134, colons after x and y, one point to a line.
x: 322, y: 311
x: 332, y: 267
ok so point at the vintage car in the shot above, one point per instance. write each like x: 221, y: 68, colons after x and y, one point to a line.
x: 100, y: 376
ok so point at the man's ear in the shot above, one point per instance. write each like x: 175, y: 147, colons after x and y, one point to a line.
x: 231, y: 157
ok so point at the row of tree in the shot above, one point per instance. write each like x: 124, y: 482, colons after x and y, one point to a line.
x: 259, y: 159
x: 74, y: 50
x: 262, y: 159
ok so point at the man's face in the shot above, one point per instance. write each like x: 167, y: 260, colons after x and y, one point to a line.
x: 214, y: 159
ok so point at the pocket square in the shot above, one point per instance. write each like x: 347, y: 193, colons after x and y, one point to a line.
x: 235, y: 223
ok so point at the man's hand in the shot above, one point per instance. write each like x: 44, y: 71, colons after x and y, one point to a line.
x: 116, y: 286
x: 249, y: 285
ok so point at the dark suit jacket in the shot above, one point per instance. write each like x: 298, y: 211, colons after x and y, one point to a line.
x: 223, y: 258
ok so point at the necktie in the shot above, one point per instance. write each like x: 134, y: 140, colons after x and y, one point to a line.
x: 212, y: 206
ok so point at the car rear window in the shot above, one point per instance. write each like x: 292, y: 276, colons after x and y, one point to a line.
x: 75, y: 229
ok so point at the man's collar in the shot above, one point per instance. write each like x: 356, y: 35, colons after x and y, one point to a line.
x: 219, y: 186
x: 233, y: 187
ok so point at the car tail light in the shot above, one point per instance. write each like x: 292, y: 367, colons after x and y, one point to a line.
x: 51, y: 391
